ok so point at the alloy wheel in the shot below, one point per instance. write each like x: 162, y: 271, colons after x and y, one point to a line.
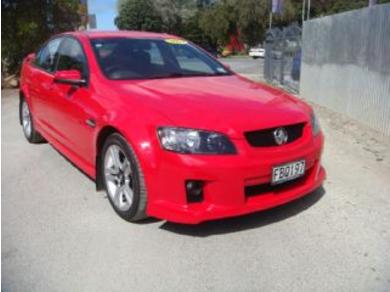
x: 118, y: 177
x: 26, y: 119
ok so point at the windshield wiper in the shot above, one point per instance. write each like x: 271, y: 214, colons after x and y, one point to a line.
x: 180, y: 75
x: 170, y: 75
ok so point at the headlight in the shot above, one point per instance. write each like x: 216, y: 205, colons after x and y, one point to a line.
x: 315, y: 125
x: 192, y: 141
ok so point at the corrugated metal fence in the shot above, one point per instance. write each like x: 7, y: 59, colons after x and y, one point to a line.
x: 346, y: 64
x: 283, y: 56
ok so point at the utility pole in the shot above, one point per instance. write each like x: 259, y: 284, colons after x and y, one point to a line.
x: 271, y: 7
x: 308, y: 9
x: 303, y: 11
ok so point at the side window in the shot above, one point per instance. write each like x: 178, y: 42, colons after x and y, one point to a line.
x: 71, y: 57
x: 47, y: 56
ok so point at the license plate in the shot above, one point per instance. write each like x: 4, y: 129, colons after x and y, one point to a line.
x: 289, y: 171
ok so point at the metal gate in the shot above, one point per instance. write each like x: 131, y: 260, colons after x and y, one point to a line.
x: 282, y: 64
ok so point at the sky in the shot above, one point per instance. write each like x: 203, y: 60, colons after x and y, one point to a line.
x: 105, y: 11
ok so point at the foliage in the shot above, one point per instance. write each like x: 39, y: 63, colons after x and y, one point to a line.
x: 219, y: 21
x: 252, y: 20
x: 27, y: 24
x: 168, y: 10
x: 213, y: 21
x: 190, y: 30
x: 139, y: 15
x: 249, y: 18
x: 180, y: 17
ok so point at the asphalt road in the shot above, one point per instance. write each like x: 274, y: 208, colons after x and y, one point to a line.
x: 58, y: 234
x: 247, y: 66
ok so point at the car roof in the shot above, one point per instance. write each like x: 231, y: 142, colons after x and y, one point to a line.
x: 122, y: 33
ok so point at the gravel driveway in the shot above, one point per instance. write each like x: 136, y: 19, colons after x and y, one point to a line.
x: 58, y: 234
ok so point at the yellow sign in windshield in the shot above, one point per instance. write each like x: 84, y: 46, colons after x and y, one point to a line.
x: 176, y: 41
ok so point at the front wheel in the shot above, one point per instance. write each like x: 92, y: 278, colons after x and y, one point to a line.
x: 26, y: 120
x: 123, y: 179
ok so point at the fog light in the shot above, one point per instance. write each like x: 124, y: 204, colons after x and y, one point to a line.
x: 194, y: 190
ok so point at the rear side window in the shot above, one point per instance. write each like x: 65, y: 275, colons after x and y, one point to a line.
x: 71, y: 57
x: 47, y: 56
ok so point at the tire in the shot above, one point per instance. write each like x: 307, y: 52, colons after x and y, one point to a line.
x: 123, y: 181
x: 26, y: 120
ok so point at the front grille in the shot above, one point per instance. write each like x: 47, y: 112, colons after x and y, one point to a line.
x: 265, y: 138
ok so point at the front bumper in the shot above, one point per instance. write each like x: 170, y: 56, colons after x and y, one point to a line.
x: 227, y: 180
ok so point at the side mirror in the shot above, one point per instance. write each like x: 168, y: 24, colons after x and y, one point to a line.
x: 71, y: 77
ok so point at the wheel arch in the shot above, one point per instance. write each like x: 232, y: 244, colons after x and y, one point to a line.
x: 104, y: 133
x: 21, y: 97
x: 146, y: 154
x: 23, y: 94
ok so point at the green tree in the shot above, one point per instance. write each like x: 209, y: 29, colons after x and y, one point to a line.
x: 252, y: 20
x: 138, y: 15
x: 219, y: 21
x: 291, y: 13
x: 191, y: 30
x: 249, y: 18
x: 170, y: 14
x: 27, y: 24
x: 66, y: 15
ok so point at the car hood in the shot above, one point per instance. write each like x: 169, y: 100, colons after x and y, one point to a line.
x: 228, y: 104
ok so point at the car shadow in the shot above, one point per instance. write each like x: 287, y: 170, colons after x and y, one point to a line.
x: 251, y: 221
x: 235, y: 224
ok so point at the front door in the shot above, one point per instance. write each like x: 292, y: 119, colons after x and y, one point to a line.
x: 41, y: 82
x: 74, y: 108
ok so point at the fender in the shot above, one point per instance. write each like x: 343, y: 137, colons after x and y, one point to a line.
x: 142, y: 139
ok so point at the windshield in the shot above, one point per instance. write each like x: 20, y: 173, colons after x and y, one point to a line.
x: 129, y: 58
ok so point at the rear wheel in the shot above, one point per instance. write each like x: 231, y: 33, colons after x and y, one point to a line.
x: 123, y: 179
x: 26, y: 120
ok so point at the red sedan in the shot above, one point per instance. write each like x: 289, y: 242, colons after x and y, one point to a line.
x: 166, y: 129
